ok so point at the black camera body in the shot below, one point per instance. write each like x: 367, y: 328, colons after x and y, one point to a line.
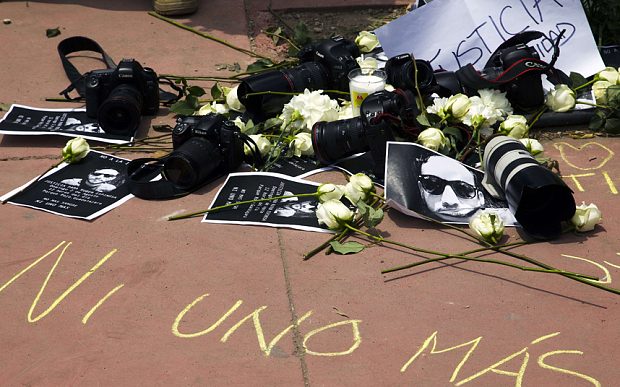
x: 119, y: 97
x: 381, y: 115
x: 526, y: 89
x: 323, y: 65
x: 203, y: 146
x: 401, y: 73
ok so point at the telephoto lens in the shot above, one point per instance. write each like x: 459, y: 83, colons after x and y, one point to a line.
x: 121, y: 112
x: 192, y: 163
x: 538, y: 198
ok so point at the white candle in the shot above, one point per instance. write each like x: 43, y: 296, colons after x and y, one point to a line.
x: 363, y: 83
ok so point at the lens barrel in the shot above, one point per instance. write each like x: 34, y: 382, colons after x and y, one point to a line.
x: 121, y: 112
x: 192, y: 163
x: 335, y: 140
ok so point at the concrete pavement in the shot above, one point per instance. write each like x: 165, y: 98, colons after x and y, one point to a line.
x: 131, y: 299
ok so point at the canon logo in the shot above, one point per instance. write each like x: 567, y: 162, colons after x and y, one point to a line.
x: 534, y: 64
x: 125, y: 75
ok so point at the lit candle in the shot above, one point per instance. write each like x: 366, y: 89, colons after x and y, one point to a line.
x: 363, y: 82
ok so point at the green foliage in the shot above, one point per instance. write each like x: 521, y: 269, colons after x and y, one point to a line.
x: 578, y: 80
x: 216, y: 92
x: 191, y: 103
x: 604, y: 19
x: 261, y: 64
x: 371, y: 216
x: 50, y: 33
x: 347, y: 247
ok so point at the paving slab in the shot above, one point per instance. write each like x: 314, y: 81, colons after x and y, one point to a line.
x: 131, y: 299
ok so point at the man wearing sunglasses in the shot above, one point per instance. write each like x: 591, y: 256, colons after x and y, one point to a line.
x: 448, y: 189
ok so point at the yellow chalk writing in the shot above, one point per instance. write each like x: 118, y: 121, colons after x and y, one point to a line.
x: 87, y: 316
x: 357, y: 339
x: 607, y: 278
x: 610, y: 183
x: 177, y: 321
x: 574, y: 177
x: 561, y: 147
x: 541, y: 362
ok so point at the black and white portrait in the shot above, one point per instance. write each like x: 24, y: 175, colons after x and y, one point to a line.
x: 85, y: 190
x: 100, y: 180
x: 290, y: 212
x: 437, y: 186
x: 25, y: 120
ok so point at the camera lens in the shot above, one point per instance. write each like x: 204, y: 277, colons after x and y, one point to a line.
x: 404, y: 76
x: 335, y: 140
x: 192, y: 163
x: 121, y: 112
x: 309, y: 75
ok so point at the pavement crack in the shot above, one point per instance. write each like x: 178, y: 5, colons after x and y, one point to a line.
x: 299, y: 351
x: 249, y: 23
x: 47, y: 157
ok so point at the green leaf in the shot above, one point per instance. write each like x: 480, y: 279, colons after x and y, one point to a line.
x: 235, y: 67
x: 422, y: 120
x: 273, y: 123
x: 453, y: 132
x: 292, y: 51
x: 276, y: 38
x: 613, y: 96
x: 612, y: 126
x: 196, y: 90
x: 183, y: 108
x: 50, y: 33
x: 596, y: 122
x: 260, y: 64
x: 578, y: 80
x: 347, y: 247
x: 301, y: 34
x: 371, y: 216
x: 193, y: 101
x: 216, y: 92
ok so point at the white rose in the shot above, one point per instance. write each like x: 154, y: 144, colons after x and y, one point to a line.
x: 366, y: 41
x: 263, y: 145
x: 368, y: 63
x: 358, y: 188
x: 488, y: 225
x: 334, y: 214
x: 610, y: 75
x: 458, y: 105
x: 213, y: 107
x: 75, y: 150
x: 330, y: 191
x: 433, y: 139
x: 303, y: 144
x: 599, y: 88
x: 514, y: 126
x: 239, y: 123
x: 561, y: 99
x: 232, y: 100
x: 586, y: 217
x: 532, y: 145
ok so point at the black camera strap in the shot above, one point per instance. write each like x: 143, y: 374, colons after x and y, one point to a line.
x: 81, y: 43
x: 470, y: 77
x: 75, y: 44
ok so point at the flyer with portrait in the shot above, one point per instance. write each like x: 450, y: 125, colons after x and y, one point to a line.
x: 84, y: 190
x: 25, y: 120
x: 294, y: 212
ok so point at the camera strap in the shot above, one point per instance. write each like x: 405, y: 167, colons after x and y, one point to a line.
x: 75, y: 44
x: 140, y: 174
x: 82, y: 43
x: 470, y: 77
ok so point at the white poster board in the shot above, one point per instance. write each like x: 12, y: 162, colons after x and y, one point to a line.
x: 453, y: 33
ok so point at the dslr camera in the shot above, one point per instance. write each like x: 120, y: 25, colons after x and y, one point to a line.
x: 401, y: 73
x: 323, y: 65
x: 119, y: 97
x: 381, y: 115
x: 203, y: 146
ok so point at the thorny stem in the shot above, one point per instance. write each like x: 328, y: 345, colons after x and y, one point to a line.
x: 281, y: 37
x: 283, y: 64
x: 209, y: 36
x: 415, y: 67
x: 207, y: 79
x: 316, y: 194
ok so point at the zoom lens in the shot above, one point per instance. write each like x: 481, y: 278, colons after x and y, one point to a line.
x: 121, y: 113
x: 537, y: 197
x: 192, y: 163
x: 309, y: 75
x: 335, y: 140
